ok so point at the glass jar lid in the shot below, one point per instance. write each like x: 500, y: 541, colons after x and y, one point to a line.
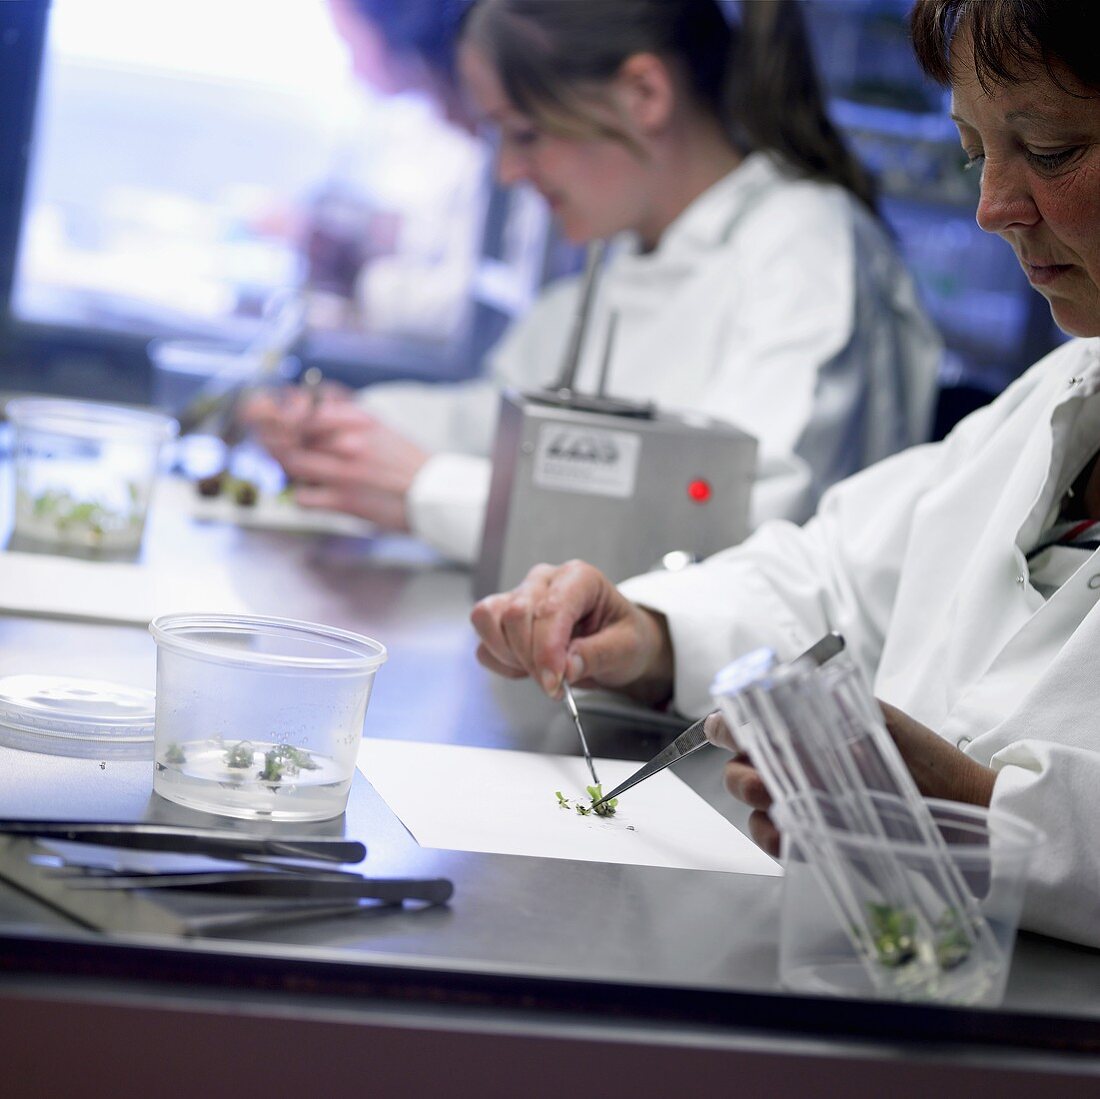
x: 64, y: 716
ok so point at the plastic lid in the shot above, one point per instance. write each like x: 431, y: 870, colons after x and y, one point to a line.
x: 63, y: 716
x: 746, y: 670
x: 254, y: 640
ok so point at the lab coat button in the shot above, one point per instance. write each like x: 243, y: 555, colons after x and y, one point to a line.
x: 1021, y: 579
x: 1074, y: 381
x: 963, y: 741
x: 1094, y: 581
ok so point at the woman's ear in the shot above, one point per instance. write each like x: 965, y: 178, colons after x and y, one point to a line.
x: 645, y: 91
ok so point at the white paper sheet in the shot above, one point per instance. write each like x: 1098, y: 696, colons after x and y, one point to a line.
x: 110, y: 591
x: 485, y: 799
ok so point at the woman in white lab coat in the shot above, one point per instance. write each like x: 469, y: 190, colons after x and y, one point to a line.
x: 750, y: 279
x: 964, y: 575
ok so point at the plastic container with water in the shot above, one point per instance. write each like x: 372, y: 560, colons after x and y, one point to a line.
x: 84, y: 473
x: 991, y: 851
x: 259, y: 717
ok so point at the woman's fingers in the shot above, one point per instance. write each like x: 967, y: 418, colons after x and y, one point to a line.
x: 569, y: 595
x: 529, y: 628
x: 494, y: 650
x: 744, y: 782
x: 488, y: 660
x: 764, y: 832
x: 317, y: 467
x: 718, y: 732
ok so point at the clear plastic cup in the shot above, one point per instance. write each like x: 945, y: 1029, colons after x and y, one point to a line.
x: 84, y: 472
x: 259, y: 717
x: 991, y: 851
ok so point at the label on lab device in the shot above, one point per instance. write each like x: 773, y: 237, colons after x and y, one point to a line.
x: 573, y: 458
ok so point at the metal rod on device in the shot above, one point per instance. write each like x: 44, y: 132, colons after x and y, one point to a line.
x: 580, y: 319
x: 609, y: 342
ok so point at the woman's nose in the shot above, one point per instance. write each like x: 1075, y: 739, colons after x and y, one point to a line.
x: 1006, y: 200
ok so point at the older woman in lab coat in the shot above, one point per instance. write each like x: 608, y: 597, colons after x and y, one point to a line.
x: 750, y: 279
x: 964, y: 575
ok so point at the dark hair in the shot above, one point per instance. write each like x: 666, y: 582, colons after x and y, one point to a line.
x: 426, y: 29
x: 756, y: 76
x: 1011, y: 39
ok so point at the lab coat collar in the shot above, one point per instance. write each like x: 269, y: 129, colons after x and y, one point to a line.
x: 707, y: 221
x: 1085, y: 380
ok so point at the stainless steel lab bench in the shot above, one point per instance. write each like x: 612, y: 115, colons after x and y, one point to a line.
x: 543, y: 977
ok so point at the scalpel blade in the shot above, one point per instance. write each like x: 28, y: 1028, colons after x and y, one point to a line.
x: 574, y: 713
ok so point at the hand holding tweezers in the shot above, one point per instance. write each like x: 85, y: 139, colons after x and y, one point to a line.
x: 693, y: 737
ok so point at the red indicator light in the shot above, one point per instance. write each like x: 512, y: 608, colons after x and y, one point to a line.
x: 699, y: 490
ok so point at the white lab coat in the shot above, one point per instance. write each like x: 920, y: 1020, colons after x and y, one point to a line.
x: 774, y: 303
x: 920, y: 563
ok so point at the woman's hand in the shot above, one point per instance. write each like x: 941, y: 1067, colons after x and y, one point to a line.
x: 571, y: 622
x: 346, y: 460
x: 939, y: 769
x: 278, y: 417
x: 744, y: 782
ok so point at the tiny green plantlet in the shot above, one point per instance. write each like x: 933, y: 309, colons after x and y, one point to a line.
x: 295, y: 759
x: 175, y: 754
x: 285, y: 761
x: 893, y: 931
x: 72, y: 517
x: 273, y: 767
x: 594, y: 794
x: 240, y: 755
x: 952, y: 940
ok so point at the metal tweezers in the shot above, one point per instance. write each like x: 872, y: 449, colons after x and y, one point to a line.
x: 693, y: 737
x: 84, y: 889
x: 194, y: 841
x: 272, y: 883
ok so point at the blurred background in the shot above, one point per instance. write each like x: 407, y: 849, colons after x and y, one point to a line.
x: 166, y: 167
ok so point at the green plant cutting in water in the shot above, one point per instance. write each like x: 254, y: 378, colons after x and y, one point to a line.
x: 240, y: 755
x: 283, y: 761
x: 893, y: 934
x: 893, y: 931
x: 70, y: 515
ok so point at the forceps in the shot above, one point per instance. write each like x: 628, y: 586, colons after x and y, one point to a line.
x: 693, y: 738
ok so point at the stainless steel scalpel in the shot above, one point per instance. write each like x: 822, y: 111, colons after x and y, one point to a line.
x: 574, y: 713
x: 693, y: 738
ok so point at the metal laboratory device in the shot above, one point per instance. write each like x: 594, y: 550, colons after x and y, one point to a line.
x: 616, y: 483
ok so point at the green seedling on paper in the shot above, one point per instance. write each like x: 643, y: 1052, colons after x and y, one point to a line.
x: 595, y: 794
x: 241, y: 491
